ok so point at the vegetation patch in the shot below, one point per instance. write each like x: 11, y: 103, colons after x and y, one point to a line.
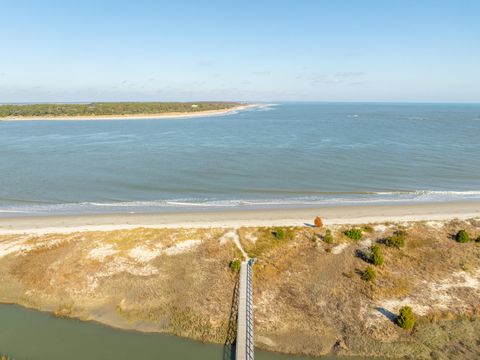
x: 234, y: 265
x: 368, y: 274
x: 405, y: 318
x: 279, y: 233
x: 397, y: 240
x: 267, y: 239
x: 328, y: 237
x: 376, y: 255
x: 462, y: 237
x: 354, y: 234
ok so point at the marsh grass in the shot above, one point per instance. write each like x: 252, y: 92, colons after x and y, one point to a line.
x: 305, y: 299
x: 268, y: 239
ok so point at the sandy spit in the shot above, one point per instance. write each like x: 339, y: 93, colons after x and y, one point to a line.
x: 172, y: 115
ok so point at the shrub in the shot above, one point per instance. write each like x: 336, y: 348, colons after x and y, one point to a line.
x: 397, y: 240
x: 234, y: 265
x: 405, y: 319
x: 328, y: 238
x: 477, y: 239
x: 462, y: 237
x: 376, y: 257
x: 354, y: 234
x: 280, y: 234
x: 368, y: 274
x: 318, y: 222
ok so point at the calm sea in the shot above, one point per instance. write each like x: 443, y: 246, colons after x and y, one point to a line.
x: 288, y: 154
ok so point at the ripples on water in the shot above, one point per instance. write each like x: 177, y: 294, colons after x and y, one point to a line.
x: 282, y: 155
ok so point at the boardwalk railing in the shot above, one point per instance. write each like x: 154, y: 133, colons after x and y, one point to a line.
x: 250, y: 334
x: 245, y: 337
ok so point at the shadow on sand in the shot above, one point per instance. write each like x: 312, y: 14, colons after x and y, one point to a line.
x: 388, y: 314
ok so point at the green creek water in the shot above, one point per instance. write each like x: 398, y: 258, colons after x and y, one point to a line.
x: 34, y: 335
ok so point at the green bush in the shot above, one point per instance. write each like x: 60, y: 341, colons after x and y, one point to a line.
x: 280, y: 234
x: 397, y: 240
x: 234, y: 265
x: 368, y: 274
x: 462, y: 237
x: 328, y: 238
x: 376, y: 257
x: 354, y: 234
x: 405, y: 319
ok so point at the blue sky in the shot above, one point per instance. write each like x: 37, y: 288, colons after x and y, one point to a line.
x: 321, y: 50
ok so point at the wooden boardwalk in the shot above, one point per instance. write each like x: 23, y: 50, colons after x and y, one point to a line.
x: 245, y: 336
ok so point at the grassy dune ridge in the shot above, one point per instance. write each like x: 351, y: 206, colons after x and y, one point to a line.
x: 309, y: 294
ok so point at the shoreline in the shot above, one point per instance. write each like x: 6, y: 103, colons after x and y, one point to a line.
x: 171, y: 115
x: 336, y: 215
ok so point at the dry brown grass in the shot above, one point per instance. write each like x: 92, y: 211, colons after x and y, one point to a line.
x: 308, y: 299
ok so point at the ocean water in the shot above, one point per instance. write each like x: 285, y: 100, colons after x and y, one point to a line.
x: 287, y: 154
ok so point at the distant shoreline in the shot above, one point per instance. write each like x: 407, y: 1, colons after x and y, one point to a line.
x: 333, y: 215
x: 167, y: 115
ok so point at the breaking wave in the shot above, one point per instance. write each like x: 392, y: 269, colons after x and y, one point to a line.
x: 171, y: 205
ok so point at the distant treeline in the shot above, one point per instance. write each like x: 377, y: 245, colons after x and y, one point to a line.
x: 110, y: 108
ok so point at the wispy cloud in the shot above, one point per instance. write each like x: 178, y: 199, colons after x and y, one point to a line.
x: 262, y: 73
x: 350, y: 74
x: 205, y: 63
x: 348, y: 78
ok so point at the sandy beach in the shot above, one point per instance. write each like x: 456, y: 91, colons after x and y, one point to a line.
x: 238, y: 218
x: 170, y: 115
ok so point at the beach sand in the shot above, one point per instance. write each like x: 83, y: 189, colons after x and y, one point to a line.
x: 171, y: 115
x: 243, y: 218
